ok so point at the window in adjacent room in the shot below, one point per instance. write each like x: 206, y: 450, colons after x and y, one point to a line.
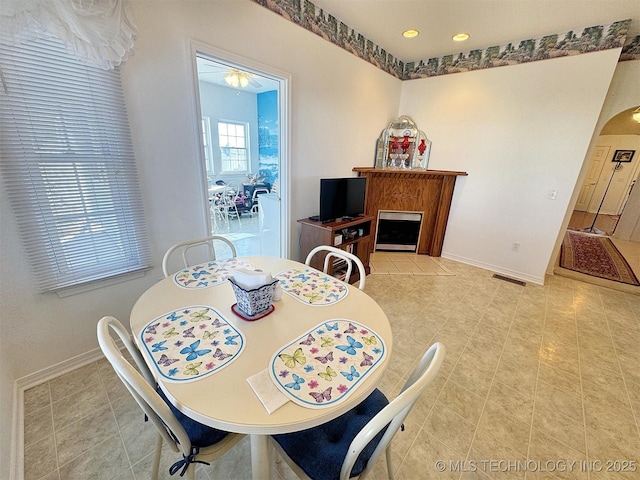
x: 233, y: 147
x: 68, y: 166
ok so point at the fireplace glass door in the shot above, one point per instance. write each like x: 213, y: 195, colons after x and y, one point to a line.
x: 398, y: 231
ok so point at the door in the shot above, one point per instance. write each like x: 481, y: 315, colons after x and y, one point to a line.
x: 242, y: 113
x: 621, y: 185
x: 591, y: 181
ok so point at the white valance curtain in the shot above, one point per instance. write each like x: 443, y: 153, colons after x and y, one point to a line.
x: 98, y: 32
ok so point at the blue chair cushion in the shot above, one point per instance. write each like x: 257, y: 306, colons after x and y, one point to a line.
x: 200, y: 435
x: 320, y: 451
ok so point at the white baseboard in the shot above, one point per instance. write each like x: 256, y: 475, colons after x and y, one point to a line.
x: 504, y: 271
x: 16, y: 470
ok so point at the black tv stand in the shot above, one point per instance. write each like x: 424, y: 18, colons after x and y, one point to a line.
x: 346, y: 219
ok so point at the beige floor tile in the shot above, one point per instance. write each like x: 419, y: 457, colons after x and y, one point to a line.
x: 466, y: 374
x: 523, y: 381
x: 607, y: 446
x: 80, y: 404
x: 567, y: 403
x: 479, y: 362
x: 558, y: 378
x: 383, y: 267
x: 462, y: 401
x: 139, y: 439
x: 634, y: 398
x: 494, y: 458
x: 84, y: 434
x: 568, y: 346
x: 74, y: 381
x: 407, y: 267
x: 52, y: 476
x: 429, y: 458
x: 451, y: 429
x: 38, y: 424
x: 514, y: 403
x: 559, y: 354
x: 104, y: 461
x: 549, y: 458
x: 560, y: 427
x: 36, y: 398
x: 40, y: 458
x: 506, y: 429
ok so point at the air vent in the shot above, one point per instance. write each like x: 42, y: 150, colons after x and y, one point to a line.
x: 510, y: 280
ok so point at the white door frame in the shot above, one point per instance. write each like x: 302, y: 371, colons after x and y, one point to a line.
x: 284, y: 100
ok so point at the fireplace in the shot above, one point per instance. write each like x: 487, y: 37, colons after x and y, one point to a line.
x: 398, y: 231
x: 429, y: 192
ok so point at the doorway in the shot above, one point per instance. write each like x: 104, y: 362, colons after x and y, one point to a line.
x: 242, y: 113
x: 608, y: 205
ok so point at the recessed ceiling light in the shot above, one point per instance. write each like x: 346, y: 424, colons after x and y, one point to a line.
x: 410, y: 33
x: 460, y: 37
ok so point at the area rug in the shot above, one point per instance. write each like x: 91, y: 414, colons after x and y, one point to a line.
x: 596, y: 256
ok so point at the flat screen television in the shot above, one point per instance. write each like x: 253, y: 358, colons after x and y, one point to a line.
x: 342, y: 197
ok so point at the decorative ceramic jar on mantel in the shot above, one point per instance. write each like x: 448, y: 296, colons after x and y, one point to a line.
x: 402, y: 146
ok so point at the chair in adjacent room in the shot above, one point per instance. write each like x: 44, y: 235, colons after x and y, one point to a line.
x: 349, y: 258
x: 254, y: 199
x: 196, y: 442
x: 349, y: 445
x: 228, y: 203
x: 185, y: 246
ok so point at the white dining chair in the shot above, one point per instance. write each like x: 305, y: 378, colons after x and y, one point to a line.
x: 349, y: 258
x: 186, y: 245
x: 254, y: 199
x: 196, y: 442
x: 349, y: 445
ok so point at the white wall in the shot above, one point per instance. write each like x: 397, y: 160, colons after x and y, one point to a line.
x: 520, y: 132
x: 227, y: 104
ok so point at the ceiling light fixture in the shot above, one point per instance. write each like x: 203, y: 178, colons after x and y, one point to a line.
x: 237, y: 79
x: 636, y: 114
x: 460, y: 37
x: 410, y: 33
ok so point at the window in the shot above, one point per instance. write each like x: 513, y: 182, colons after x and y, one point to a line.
x: 233, y: 147
x: 67, y: 161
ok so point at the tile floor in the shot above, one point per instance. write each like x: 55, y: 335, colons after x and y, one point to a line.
x: 397, y: 263
x: 607, y: 223
x: 604, y: 223
x: 244, y: 234
x: 539, y: 382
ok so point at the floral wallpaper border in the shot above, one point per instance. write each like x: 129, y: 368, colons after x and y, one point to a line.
x: 591, y: 39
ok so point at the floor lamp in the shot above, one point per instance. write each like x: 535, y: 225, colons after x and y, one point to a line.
x: 592, y: 228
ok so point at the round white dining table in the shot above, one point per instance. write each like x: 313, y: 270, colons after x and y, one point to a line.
x: 224, y: 399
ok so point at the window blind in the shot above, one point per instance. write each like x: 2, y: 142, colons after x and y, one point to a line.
x: 67, y: 163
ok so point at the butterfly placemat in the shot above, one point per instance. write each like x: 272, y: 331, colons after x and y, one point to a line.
x: 210, y: 273
x: 191, y: 342
x: 312, y: 287
x: 323, y: 366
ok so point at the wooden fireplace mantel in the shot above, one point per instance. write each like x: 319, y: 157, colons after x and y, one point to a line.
x: 426, y: 191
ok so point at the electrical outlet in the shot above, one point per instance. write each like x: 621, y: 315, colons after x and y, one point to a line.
x: 515, y: 246
x: 553, y: 194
